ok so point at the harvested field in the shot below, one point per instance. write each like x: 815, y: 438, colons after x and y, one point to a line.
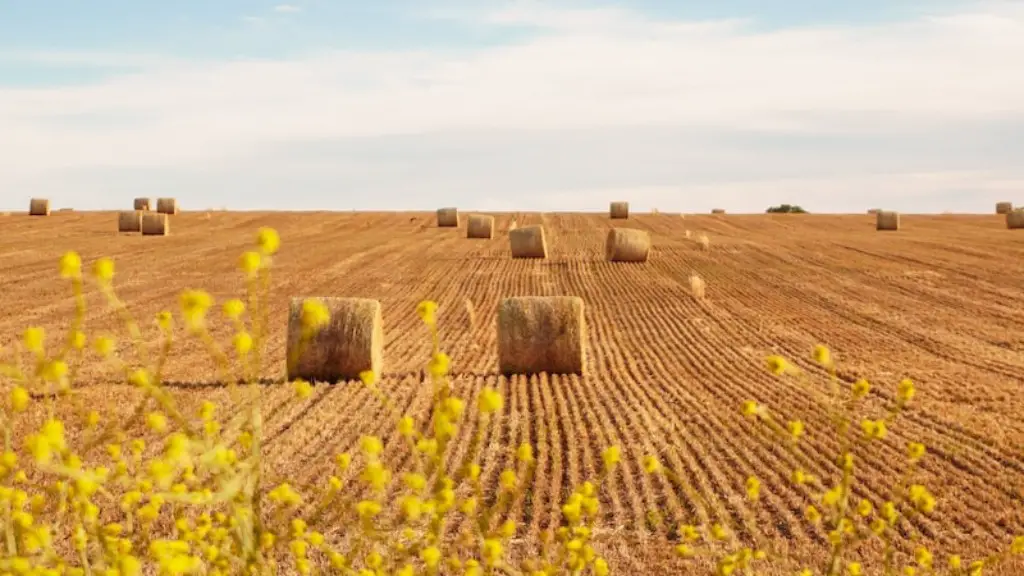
x: 941, y: 302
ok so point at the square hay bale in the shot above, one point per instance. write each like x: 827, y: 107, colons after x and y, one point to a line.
x: 887, y: 220
x: 447, y: 217
x: 155, y: 224
x: 480, y: 226
x: 167, y: 205
x: 350, y: 343
x: 129, y: 221
x: 1004, y: 207
x: 528, y: 242
x: 1015, y: 219
x: 619, y: 210
x: 542, y: 334
x: 627, y: 245
x: 141, y: 204
x: 718, y: 211
x: 39, y: 207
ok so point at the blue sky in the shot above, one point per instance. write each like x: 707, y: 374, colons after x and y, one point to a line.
x: 402, y: 104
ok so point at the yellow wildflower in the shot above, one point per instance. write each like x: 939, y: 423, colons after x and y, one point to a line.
x: 70, y: 265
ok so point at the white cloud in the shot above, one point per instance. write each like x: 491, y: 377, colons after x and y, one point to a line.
x: 287, y: 8
x: 602, y: 71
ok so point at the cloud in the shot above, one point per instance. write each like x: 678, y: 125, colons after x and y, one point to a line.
x: 289, y: 8
x: 600, y: 100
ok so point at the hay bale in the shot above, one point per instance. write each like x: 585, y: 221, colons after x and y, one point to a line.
x: 528, y: 242
x: 352, y: 342
x: 129, y: 221
x: 480, y: 226
x: 542, y: 334
x: 155, y: 224
x: 718, y: 211
x: 141, y: 204
x: 873, y: 211
x: 448, y: 218
x: 619, y: 210
x: 627, y: 245
x: 167, y: 205
x: 1004, y: 207
x: 1015, y: 219
x: 39, y: 207
x: 887, y: 220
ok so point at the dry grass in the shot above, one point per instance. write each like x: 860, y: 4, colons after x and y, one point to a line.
x: 528, y: 242
x: 39, y: 207
x: 448, y: 217
x: 627, y: 245
x: 619, y: 210
x: 129, y: 221
x: 167, y: 205
x: 887, y: 220
x: 480, y: 226
x: 542, y: 334
x: 352, y: 342
x: 155, y: 224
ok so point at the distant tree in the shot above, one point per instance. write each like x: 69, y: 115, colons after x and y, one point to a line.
x: 786, y: 209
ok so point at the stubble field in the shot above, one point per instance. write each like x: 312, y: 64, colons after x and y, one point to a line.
x: 940, y: 302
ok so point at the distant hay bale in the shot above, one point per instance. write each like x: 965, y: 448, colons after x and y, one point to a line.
x: 887, y: 220
x: 350, y: 343
x: 1004, y: 207
x: 718, y: 211
x: 39, y: 207
x: 528, y: 242
x: 1015, y: 219
x: 448, y: 218
x: 141, y: 204
x: 129, y: 221
x: 627, y: 245
x: 704, y: 242
x: 167, y: 205
x: 697, y: 286
x: 480, y: 226
x: 874, y: 211
x: 687, y: 234
x: 155, y: 224
x: 619, y: 210
x: 65, y: 209
x: 542, y: 334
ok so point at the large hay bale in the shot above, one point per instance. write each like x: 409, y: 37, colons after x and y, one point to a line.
x: 447, y: 217
x: 627, y: 245
x: 480, y: 226
x: 718, y: 211
x: 1004, y: 207
x: 1015, y: 219
x: 167, y: 205
x: 155, y: 224
x: 542, y: 334
x: 619, y: 210
x: 887, y: 220
x: 39, y: 207
x: 141, y: 204
x: 129, y: 221
x: 350, y: 343
x: 528, y: 242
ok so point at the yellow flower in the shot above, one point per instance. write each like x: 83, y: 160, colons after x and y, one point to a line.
x: 250, y: 263
x: 194, y: 305
x: 1017, y: 546
x: 371, y: 446
x: 406, y: 426
x: 864, y: 508
x: 70, y: 265
x: 777, y: 365
x: 923, y: 557
x: 854, y: 569
x: 799, y: 476
x: 427, y: 311
x: 33, y: 339
x: 873, y: 429
x: 78, y: 340
x: 430, y: 556
x: 103, y: 270
x: 525, y: 453
x: 860, y: 388
x: 156, y: 421
x: 233, y: 309
x: 439, y: 365
x: 906, y: 390
x: 796, y: 429
x: 492, y: 552
x: 508, y: 480
x: 343, y: 461
x: 164, y: 320
x: 812, y: 515
x: 651, y: 464
x: 490, y: 400
x: 314, y: 315
x: 19, y: 399
x: 751, y: 409
x: 753, y: 488
x: 955, y: 562
x: 54, y: 371
x: 242, y: 342
x: 611, y: 457
x: 822, y: 355
x: 268, y: 240
x: 915, y: 451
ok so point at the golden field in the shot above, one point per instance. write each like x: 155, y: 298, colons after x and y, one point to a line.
x: 940, y: 302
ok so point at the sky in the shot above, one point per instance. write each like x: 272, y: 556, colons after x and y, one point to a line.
x: 681, y: 105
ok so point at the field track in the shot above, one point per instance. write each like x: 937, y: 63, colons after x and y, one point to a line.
x: 941, y: 302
